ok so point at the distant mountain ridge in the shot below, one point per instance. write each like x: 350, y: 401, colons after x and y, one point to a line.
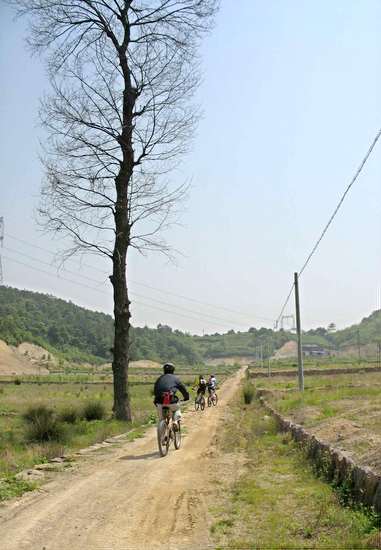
x: 79, y: 334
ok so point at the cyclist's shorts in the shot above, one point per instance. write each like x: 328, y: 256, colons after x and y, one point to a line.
x: 174, y: 407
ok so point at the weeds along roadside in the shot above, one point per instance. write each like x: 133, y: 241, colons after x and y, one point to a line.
x: 279, y: 502
x: 38, y: 423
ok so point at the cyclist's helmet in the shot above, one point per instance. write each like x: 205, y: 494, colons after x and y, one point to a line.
x: 168, y: 368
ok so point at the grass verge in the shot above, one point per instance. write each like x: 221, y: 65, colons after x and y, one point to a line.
x: 278, y: 503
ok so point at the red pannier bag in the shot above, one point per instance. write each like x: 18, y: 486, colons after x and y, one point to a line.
x: 167, y: 398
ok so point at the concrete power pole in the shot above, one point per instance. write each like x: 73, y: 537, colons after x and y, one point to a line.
x: 299, y: 333
x: 1, y: 246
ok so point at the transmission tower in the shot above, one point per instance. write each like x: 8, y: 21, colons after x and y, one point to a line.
x: 287, y: 318
x: 1, y: 246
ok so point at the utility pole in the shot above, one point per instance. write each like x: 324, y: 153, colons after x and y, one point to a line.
x: 1, y: 246
x: 268, y: 360
x: 299, y: 333
x: 261, y: 348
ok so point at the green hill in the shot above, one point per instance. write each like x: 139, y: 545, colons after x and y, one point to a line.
x: 78, y: 334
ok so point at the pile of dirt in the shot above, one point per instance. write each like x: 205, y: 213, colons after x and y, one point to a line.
x: 13, y: 363
x: 289, y: 349
x: 36, y: 354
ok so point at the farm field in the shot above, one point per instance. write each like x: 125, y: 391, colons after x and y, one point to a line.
x: 312, y: 364
x: 343, y: 410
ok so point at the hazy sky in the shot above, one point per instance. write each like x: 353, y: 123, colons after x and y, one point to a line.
x: 292, y: 99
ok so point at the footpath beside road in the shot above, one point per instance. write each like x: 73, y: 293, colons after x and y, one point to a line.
x: 126, y: 497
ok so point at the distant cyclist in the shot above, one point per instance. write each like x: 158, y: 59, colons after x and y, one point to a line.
x: 166, y: 386
x: 212, y: 384
x: 201, y: 385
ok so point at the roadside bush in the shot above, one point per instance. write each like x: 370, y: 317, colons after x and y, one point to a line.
x: 94, y: 410
x: 17, y: 381
x: 70, y: 415
x: 248, y: 393
x: 42, y: 424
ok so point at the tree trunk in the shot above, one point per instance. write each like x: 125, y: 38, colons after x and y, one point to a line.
x: 121, y: 408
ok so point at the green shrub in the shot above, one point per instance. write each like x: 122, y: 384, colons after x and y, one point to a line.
x: 42, y: 424
x: 70, y: 415
x: 248, y: 393
x: 17, y: 381
x: 94, y: 410
x: 12, y: 487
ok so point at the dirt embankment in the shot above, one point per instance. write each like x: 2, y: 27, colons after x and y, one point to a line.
x: 128, y: 497
x: 14, y: 362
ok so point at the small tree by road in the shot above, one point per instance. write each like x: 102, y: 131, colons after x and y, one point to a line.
x: 119, y: 117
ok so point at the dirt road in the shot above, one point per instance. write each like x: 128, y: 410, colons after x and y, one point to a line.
x: 127, y: 497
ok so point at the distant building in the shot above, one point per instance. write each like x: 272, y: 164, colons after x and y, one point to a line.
x: 314, y: 350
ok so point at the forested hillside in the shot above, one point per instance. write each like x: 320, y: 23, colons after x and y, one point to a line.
x: 80, y: 334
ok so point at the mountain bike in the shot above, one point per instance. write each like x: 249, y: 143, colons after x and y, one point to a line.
x: 199, y: 402
x: 212, y: 399
x: 166, y: 432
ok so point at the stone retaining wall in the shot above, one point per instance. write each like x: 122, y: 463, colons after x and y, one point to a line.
x: 336, y: 466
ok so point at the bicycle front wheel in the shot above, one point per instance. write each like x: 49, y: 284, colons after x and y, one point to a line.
x: 202, y: 404
x: 209, y: 401
x: 162, y: 438
x: 196, y: 404
x: 214, y: 399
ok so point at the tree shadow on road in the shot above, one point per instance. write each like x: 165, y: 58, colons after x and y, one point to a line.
x: 146, y: 456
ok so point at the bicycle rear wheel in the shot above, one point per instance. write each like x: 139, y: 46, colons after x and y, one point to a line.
x: 214, y: 399
x: 177, y: 436
x: 162, y: 438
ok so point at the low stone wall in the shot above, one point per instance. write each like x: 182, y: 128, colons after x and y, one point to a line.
x: 314, y: 372
x: 336, y: 466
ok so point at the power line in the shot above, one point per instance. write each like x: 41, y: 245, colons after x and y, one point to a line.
x: 332, y: 217
x: 358, y: 172
x: 199, y: 319
x: 284, y: 306
x: 205, y: 315
x: 169, y: 293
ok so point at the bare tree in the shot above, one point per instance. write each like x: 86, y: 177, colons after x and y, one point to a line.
x: 120, y: 115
